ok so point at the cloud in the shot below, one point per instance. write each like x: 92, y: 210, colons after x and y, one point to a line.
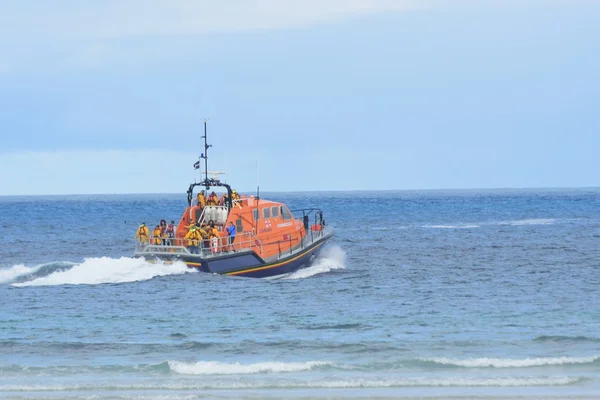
x: 68, y: 19
x: 73, y: 33
x: 102, y: 19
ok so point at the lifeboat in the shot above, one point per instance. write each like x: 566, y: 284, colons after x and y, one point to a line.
x: 270, y: 239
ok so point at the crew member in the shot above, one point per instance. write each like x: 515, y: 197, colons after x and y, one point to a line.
x: 171, y: 233
x: 230, y: 236
x: 201, y: 199
x: 193, y: 236
x: 143, y: 234
x: 163, y: 232
x: 224, y: 199
x: 212, y: 199
x: 235, y: 197
x: 157, y: 235
x: 213, y: 233
x: 190, y: 224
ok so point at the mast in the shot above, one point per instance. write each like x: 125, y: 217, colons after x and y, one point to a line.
x: 207, y: 183
x: 205, y: 156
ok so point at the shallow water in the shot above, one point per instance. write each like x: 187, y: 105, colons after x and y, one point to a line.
x: 465, y: 294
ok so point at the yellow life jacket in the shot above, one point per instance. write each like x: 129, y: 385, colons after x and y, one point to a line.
x: 142, y: 233
x: 193, y: 237
x: 156, y: 234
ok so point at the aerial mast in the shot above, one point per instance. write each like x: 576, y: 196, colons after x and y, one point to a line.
x: 205, y: 156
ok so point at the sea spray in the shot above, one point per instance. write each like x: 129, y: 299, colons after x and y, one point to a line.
x: 95, y: 271
x: 331, y: 258
x: 10, y: 274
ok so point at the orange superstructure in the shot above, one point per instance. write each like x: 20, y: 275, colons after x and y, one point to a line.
x: 266, y: 226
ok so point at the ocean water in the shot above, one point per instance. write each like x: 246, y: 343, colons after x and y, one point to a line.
x: 457, y: 294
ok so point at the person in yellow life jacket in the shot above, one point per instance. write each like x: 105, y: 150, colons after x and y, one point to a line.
x: 212, y: 199
x: 157, y: 235
x: 235, y: 198
x: 201, y: 232
x: 143, y: 234
x: 190, y: 223
x: 163, y: 232
x: 201, y: 199
x: 213, y: 233
x: 193, y: 236
x: 205, y: 237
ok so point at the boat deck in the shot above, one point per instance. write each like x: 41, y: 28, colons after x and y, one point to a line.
x: 245, y: 243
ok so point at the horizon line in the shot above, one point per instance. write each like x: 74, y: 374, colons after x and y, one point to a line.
x: 495, y: 189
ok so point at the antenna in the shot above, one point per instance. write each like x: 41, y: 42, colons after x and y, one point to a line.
x: 258, y: 175
x: 227, y: 170
x: 205, y: 154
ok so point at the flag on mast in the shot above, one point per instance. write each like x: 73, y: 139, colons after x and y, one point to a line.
x: 197, y: 165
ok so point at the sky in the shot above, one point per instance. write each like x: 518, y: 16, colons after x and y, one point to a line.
x: 109, y: 96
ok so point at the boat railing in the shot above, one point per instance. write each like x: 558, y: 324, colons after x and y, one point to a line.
x: 316, y: 228
x: 205, y: 247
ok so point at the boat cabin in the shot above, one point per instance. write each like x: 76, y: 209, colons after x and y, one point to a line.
x: 267, y: 227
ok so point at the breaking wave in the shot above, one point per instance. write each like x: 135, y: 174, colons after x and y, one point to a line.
x: 532, y: 221
x: 358, y: 383
x: 94, y: 271
x: 472, y: 226
x: 331, y: 258
x: 220, y: 368
x: 512, y: 363
x: 515, y: 222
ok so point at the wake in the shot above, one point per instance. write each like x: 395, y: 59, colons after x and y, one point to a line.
x: 93, y: 271
x: 331, y: 258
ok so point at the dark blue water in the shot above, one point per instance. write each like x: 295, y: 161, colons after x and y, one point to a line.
x: 421, y: 294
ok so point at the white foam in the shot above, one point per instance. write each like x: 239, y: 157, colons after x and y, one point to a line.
x: 358, y: 383
x: 332, y: 257
x: 451, y: 226
x: 513, y: 363
x: 445, y: 382
x: 95, y: 271
x: 10, y: 274
x: 220, y: 368
x: 448, y: 382
x: 533, y: 221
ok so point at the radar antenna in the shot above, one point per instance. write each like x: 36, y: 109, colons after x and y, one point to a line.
x: 214, y: 174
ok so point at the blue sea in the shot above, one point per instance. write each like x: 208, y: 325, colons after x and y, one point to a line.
x: 431, y: 294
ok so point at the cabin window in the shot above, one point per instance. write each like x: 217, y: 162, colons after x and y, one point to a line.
x: 285, y: 213
x: 238, y: 226
x: 266, y: 213
x: 275, y: 212
x: 256, y: 214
